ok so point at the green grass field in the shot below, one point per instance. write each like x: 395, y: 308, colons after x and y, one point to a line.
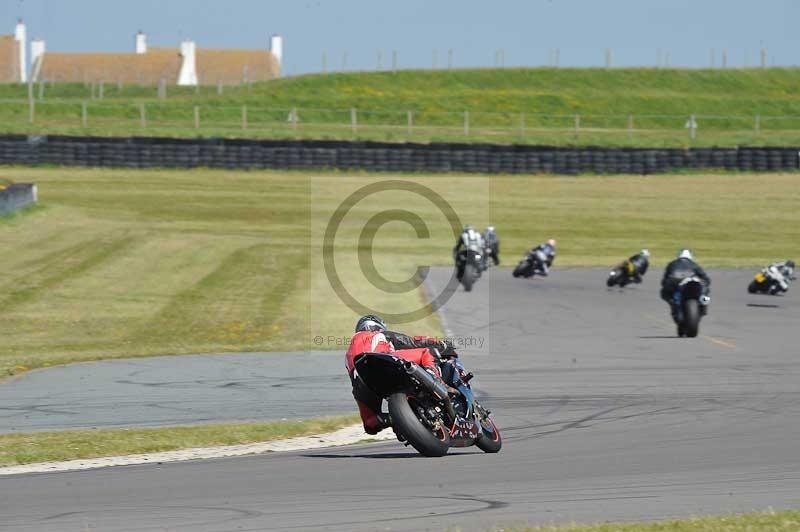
x: 121, y: 263
x: 660, y: 101
x: 36, y: 447
x: 786, y: 521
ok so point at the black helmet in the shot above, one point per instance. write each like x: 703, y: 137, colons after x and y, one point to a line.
x: 790, y: 263
x: 370, y: 323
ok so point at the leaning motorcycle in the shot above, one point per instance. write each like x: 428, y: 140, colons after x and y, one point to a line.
x: 531, y: 264
x: 430, y: 415
x: 473, y: 266
x: 764, y: 282
x: 689, y: 305
x: 621, y: 275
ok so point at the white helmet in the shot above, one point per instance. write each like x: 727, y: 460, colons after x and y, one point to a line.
x: 645, y: 253
x: 685, y: 254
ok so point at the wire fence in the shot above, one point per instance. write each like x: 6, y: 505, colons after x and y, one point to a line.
x: 190, y: 119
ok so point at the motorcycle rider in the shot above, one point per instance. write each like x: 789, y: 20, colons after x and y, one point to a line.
x: 782, y: 273
x: 492, y: 242
x: 471, y: 240
x: 371, y: 336
x: 679, y: 269
x: 637, y: 265
x: 549, y: 250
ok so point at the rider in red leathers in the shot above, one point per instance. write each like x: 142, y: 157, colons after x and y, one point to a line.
x: 372, y: 337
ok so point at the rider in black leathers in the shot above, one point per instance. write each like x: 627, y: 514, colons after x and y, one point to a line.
x: 679, y: 269
x: 492, y: 243
x: 640, y: 263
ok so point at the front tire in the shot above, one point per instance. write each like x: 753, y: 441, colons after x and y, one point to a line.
x: 692, y: 317
x: 612, y: 279
x: 753, y: 287
x: 406, y: 424
x: 490, y: 440
x: 469, y: 277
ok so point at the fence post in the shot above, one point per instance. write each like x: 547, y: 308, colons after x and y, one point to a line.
x: 630, y: 126
x: 197, y: 117
x: 102, y: 89
x: 31, y: 104
x: 294, y: 118
x: 41, y: 90
x: 354, y: 120
x: 692, y: 127
x: 466, y: 123
x: 394, y: 61
x: 410, y: 120
x: 758, y: 124
x: 84, y: 114
x: 219, y: 86
x: 142, y: 116
x: 244, y: 117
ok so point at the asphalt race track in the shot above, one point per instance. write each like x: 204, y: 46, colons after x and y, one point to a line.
x: 162, y: 391
x: 606, y: 416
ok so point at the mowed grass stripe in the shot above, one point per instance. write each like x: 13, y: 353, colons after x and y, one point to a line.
x: 234, y: 306
x: 61, y: 266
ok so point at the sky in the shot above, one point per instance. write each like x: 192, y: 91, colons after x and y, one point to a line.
x: 351, y: 34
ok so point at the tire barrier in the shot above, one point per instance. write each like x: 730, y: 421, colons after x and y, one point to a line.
x: 148, y: 152
x: 16, y: 197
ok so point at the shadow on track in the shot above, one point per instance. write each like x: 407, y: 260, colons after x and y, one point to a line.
x: 385, y: 456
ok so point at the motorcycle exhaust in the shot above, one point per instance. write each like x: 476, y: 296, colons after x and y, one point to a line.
x: 429, y: 382
x: 437, y: 388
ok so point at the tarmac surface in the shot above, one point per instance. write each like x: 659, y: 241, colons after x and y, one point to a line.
x: 161, y: 391
x: 606, y: 416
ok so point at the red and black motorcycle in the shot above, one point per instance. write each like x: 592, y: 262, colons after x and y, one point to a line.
x: 430, y: 415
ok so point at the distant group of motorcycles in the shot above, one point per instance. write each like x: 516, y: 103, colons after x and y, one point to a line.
x: 685, y: 286
x: 431, y: 405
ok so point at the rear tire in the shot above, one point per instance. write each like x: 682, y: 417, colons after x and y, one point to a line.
x: 753, y: 287
x: 405, y: 422
x: 692, y: 317
x: 490, y: 440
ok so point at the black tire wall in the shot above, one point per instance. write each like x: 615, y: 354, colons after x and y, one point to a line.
x: 149, y: 152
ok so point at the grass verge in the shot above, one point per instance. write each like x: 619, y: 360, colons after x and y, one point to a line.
x: 35, y: 447
x: 786, y: 521
x: 126, y: 263
x: 621, y: 107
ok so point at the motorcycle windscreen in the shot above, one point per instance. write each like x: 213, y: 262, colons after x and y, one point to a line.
x: 382, y: 373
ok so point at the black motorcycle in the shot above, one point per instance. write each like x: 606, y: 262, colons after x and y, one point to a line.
x: 531, y: 264
x: 689, y: 305
x: 426, y: 413
x: 474, y: 265
x: 622, y: 275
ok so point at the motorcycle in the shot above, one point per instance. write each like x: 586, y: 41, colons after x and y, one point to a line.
x: 531, y: 264
x: 765, y: 282
x: 689, y: 305
x: 430, y: 415
x: 621, y: 275
x: 474, y: 265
